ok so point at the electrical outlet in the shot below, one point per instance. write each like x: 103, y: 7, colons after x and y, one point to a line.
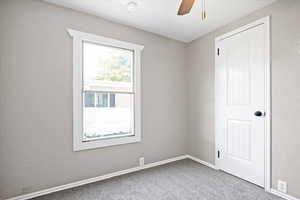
x: 282, y: 186
x: 142, y: 161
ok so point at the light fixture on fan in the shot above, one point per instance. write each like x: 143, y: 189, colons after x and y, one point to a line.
x: 186, y: 6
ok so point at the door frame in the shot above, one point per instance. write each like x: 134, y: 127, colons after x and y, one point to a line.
x: 266, y: 21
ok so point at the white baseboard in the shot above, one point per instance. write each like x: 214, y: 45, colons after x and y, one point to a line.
x: 127, y: 171
x: 282, y: 195
x: 95, y: 179
x: 202, y: 162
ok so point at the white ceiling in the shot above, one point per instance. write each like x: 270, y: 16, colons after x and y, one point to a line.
x: 159, y: 16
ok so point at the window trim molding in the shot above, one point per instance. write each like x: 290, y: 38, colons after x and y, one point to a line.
x: 78, y: 38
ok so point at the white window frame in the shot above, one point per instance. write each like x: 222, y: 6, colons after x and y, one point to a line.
x: 78, y: 39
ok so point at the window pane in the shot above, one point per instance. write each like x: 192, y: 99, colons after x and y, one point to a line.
x: 107, y: 68
x: 108, y: 121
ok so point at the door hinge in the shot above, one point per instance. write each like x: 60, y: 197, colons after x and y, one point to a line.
x: 218, y: 51
x: 218, y: 154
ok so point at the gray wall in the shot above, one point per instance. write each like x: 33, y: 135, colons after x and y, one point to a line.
x: 285, y: 91
x: 36, y: 98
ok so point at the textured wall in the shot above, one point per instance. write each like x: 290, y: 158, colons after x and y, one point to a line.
x: 36, y: 98
x: 285, y: 32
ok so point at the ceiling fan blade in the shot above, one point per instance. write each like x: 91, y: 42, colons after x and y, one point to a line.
x: 185, y: 7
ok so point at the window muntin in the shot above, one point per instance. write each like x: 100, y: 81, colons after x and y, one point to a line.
x: 108, y: 80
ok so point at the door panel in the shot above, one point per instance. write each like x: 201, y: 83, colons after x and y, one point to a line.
x: 238, y: 72
x: 240, y: 92
x: 239, y: 139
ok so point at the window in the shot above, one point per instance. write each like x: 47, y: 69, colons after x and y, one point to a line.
x: 106, y: 91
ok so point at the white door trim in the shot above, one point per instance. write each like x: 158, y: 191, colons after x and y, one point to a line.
x: 266, y: 21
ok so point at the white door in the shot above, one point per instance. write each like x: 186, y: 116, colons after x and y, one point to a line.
x: 241, y: 103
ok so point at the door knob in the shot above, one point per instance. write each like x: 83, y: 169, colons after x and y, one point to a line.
x: 259, y: 114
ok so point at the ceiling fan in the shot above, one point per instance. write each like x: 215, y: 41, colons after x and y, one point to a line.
x: 186, y: 6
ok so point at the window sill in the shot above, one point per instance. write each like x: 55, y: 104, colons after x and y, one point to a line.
x: 93, y: 144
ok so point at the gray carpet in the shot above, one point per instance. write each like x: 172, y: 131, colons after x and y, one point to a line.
x: 182, y: 180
